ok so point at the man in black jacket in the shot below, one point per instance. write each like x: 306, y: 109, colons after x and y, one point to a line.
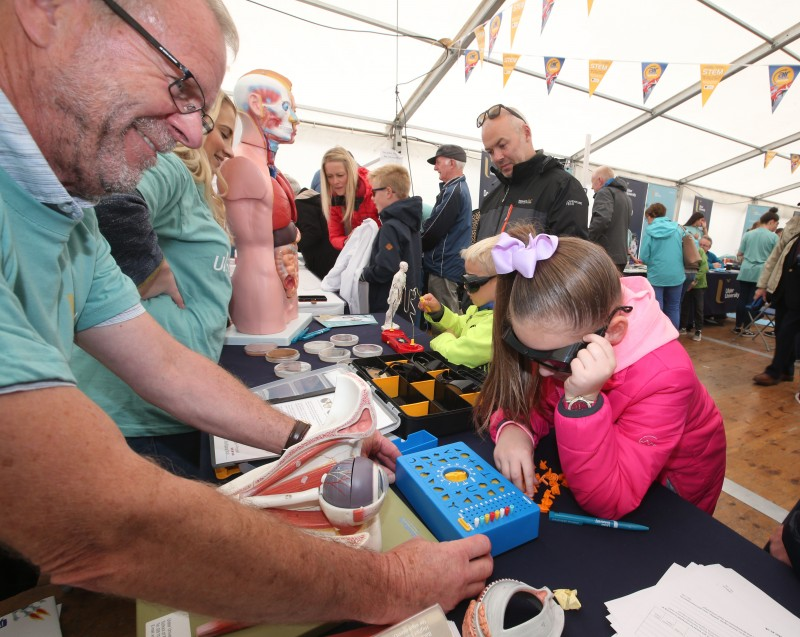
x: 611, y: 215
x: 534, y: 187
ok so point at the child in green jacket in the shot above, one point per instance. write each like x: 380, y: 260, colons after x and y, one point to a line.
x: 467, y: 339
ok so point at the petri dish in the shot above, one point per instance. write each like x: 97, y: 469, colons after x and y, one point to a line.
x: 334, y: 355
x: 282, y: 370
x: 315, y: 347
x: 282, y: 355
x: 367, y: 350
x: 344, y: 340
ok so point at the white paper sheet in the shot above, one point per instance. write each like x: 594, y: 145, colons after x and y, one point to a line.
x: 701, y: 600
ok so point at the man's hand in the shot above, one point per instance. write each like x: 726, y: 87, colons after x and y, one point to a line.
x: 761, y: 293
x: 383, y: 452
x: 776, y: 547
x: 424, y: 573
x: 513, y: 456
x: 162, y: 281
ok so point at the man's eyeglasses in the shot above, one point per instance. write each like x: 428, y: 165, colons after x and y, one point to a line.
x: 185, y: 91
x: 558, y: 360
x: 473, y: 282
x: 493, y: 112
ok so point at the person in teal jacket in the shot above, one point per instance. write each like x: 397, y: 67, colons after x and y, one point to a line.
x: 467, y: 339
x: 662, y: 251
x: 180, y: 219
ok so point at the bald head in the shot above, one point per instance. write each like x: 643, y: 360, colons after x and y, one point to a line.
x: 102, y: 122
x: 507, y: 139
x: 600, y: 176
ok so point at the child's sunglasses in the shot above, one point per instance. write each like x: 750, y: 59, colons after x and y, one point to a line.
x: 560, y: 359
x: 473, y: 282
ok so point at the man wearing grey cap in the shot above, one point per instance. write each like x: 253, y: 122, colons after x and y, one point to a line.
x: 449, y: 228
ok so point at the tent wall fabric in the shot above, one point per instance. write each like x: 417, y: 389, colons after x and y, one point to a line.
x: 380, y: 77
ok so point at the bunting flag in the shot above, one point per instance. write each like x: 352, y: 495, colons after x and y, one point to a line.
x: 509, y: 62
x: 597, y: 71
x: 589, y: 2
x: 516, y: 15
x: 471, y: 57
x: 651, y: 74
x: 795, y: 158
x: 552, y: 67
x: 710, y: 76
x: 769, y: 156
x: 480, y: 38
x: 547, y: 7
x: 781, y: 77
x: 494, y: 29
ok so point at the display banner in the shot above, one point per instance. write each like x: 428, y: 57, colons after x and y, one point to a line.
x: 480, y: 38
x: 471, y: 58
x: 769, y: 156
x: 552, y: 67
x: 509, y: 62
x: 597, y: 71
x: 651, y: 73
x: 547, y: 7
x: 667, y: 196
x: 494, y: 29
x: 754, y: 213
x: 488, y: 179
x: 516, y: 15
x: 710, y: 77
x: 781, y: 77
x: 701, y: 204
x: 637, y: 191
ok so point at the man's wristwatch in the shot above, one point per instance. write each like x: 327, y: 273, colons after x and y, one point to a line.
x: 298, y: 432
x: 578, y: 403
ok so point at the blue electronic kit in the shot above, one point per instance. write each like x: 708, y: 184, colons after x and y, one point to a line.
x: 457, y: 494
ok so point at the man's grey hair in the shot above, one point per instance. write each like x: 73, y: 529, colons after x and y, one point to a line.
x: 459, y: 164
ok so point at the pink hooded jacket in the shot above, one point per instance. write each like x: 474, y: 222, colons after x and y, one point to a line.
x: 653, y: 420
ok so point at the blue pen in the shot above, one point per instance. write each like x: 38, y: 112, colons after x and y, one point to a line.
x: 300, y: 335
x: 310, y: 335
x: 571, y: 518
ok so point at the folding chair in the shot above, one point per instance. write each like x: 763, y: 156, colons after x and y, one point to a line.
x: 762, y: 318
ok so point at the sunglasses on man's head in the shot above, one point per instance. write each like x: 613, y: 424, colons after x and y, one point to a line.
x: 473, y: 282
x: 494, y: 111
x: 560, y: 359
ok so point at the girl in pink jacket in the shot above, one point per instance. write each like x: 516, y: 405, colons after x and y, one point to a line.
x: 581, y: 350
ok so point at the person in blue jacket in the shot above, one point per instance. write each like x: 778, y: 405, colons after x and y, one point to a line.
x: 448, y: 230
x: 662, y: 251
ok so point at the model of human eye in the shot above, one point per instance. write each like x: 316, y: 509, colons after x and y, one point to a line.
x: 353, y: 491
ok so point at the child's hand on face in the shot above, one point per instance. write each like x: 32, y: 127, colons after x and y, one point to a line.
x: 513, y: 456
x: 591, y: 369
x: 429, y: 304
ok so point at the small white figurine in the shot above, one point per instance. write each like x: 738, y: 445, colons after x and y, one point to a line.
x: 395, y: 296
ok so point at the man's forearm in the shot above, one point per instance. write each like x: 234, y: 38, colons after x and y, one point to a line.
x: 186, y: 384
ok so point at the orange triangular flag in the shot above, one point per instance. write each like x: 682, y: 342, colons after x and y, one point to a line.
x: 509, y: 62
x: 710, y: 76
x: 589, y: 2
x: 795, y: 158
x: 597, y: 71
x: 769, y: 156
x: 480, y: 38
x: 516, y: 16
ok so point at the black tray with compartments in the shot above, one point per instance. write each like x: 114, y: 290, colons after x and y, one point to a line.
x: 428, y: 392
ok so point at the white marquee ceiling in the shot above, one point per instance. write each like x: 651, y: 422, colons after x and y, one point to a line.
x: 350, y: 68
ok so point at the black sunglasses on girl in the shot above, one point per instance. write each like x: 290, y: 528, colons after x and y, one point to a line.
x: 558, y: 360
x: 473, y: 282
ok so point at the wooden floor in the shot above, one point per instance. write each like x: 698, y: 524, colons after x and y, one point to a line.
x: 762, y: 425
x: 763, y: 472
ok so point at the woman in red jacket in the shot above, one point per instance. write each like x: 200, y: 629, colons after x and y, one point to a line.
x: 346, y: 195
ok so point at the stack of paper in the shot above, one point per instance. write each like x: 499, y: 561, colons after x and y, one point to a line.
x: 701, y: 600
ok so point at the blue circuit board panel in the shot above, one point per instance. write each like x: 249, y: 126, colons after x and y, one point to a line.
x: 457, y: 494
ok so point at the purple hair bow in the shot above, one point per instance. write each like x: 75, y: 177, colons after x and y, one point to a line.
x: 511, y: 255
